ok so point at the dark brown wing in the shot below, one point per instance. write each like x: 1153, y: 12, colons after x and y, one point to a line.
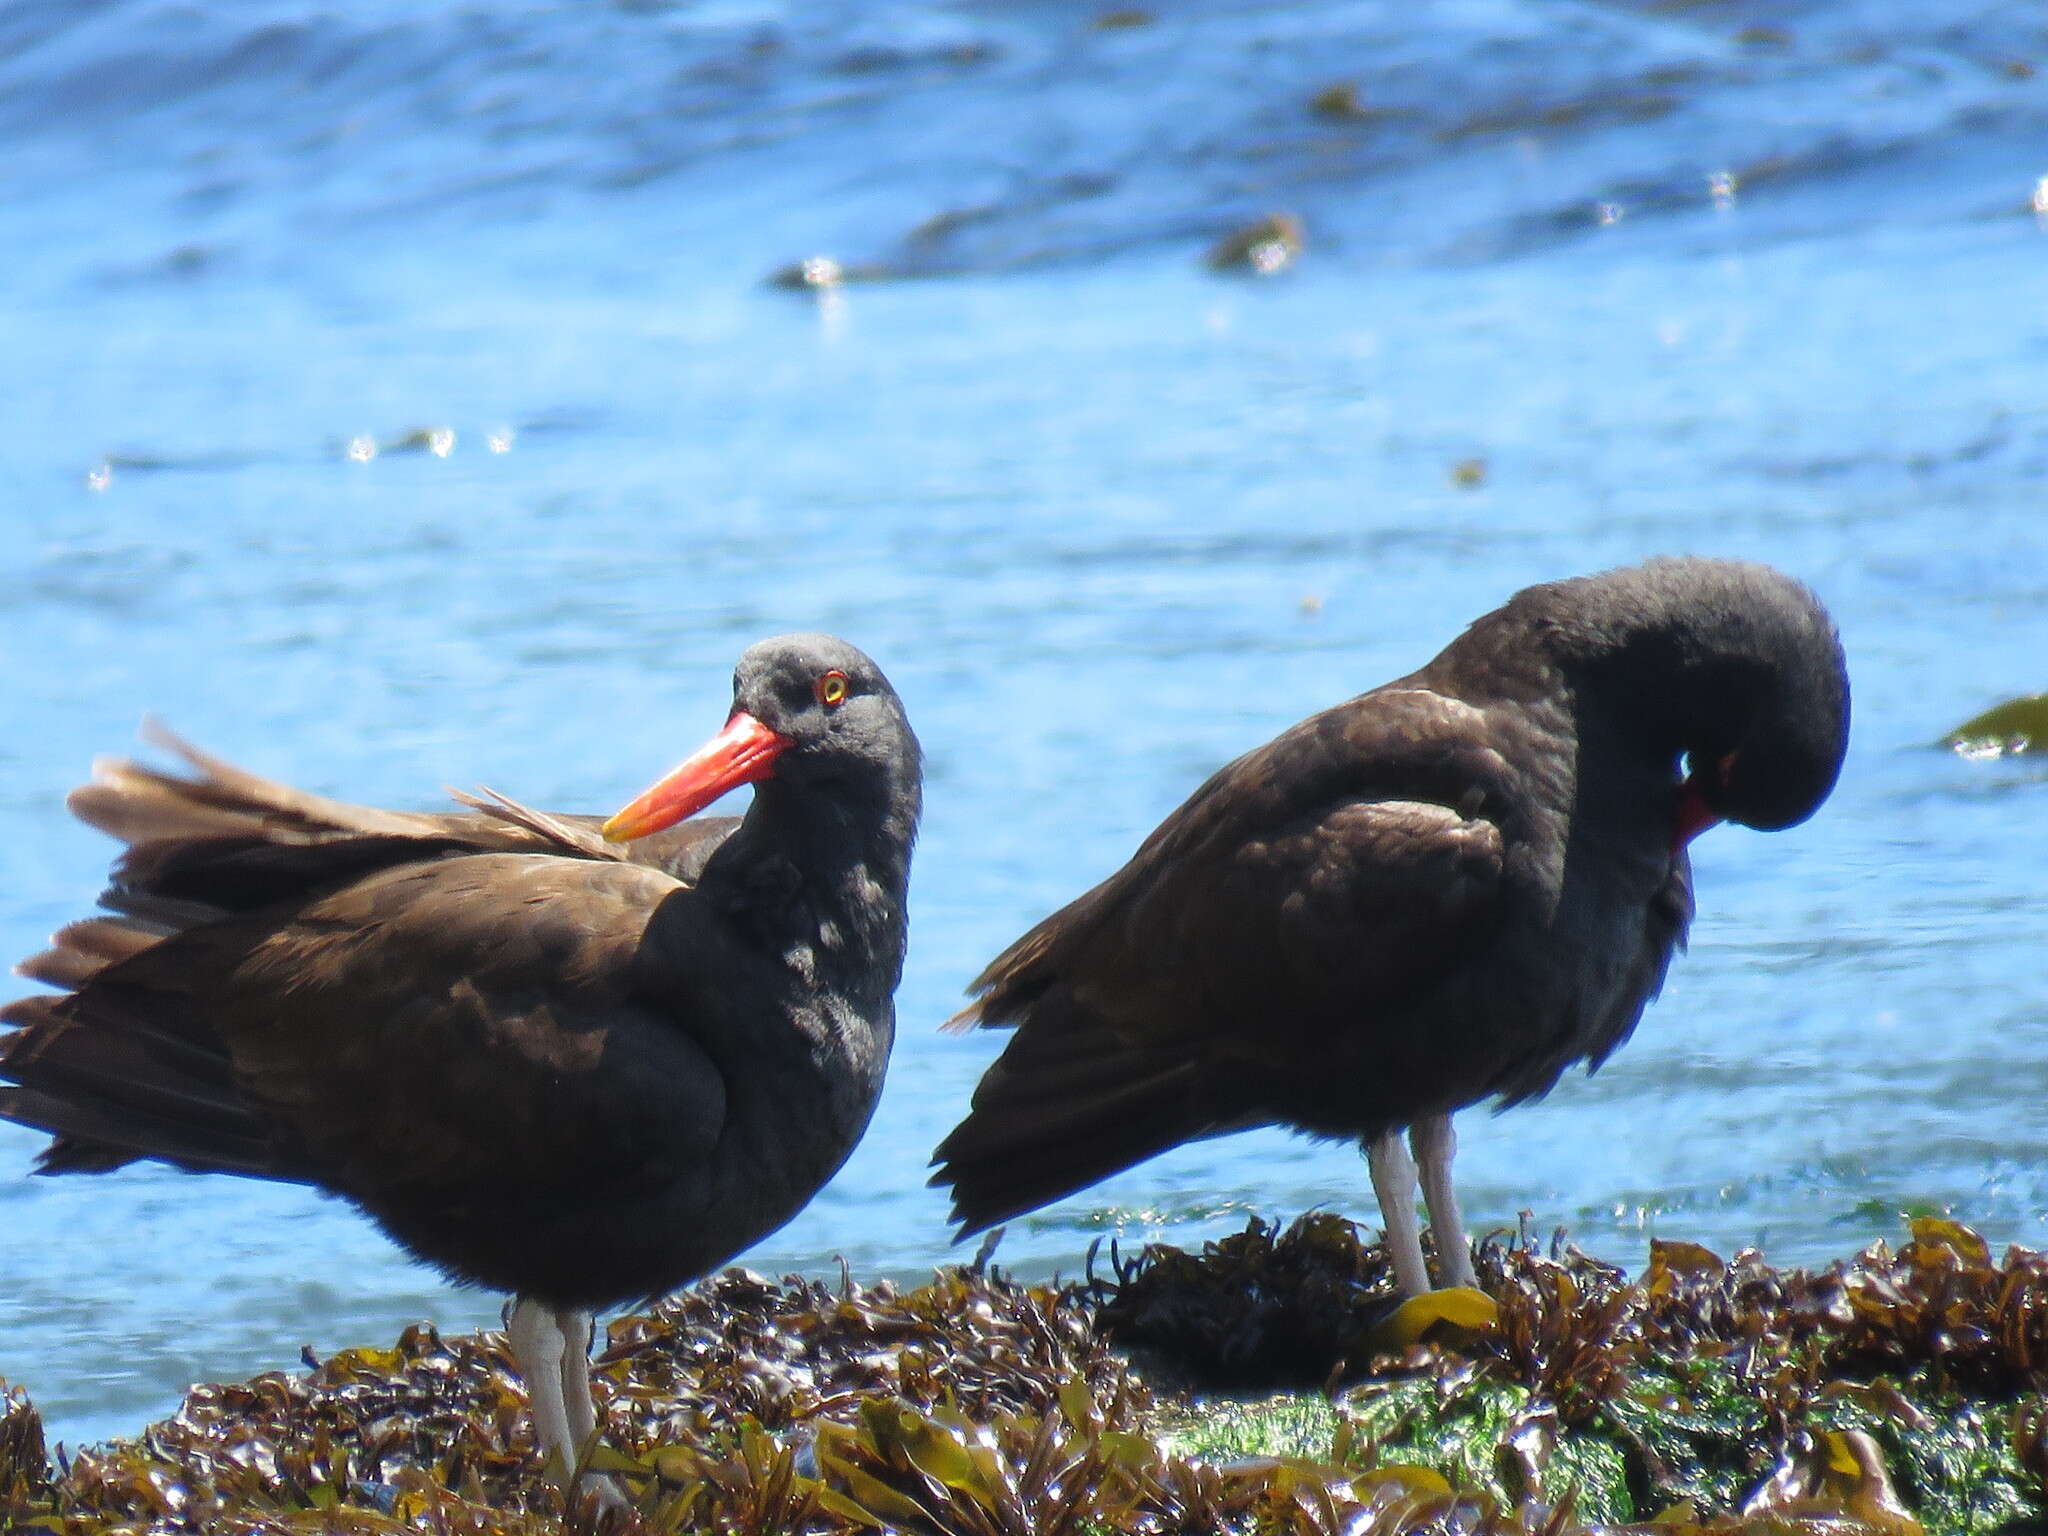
x: 1306, y: 891
x: 275, y: 948
x: 456, y: 1026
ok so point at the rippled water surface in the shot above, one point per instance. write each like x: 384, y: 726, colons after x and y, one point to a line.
x: 1734, y: 278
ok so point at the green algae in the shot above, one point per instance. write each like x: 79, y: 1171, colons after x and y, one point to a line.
x: 1297, y: 1425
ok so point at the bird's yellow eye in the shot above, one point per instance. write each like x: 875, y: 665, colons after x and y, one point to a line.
x: 831, y: 689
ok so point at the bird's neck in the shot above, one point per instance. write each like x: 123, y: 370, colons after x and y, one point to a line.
x: 1578, y: 734
x: 821, y: 880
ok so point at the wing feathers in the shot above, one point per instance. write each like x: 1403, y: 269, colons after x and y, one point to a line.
x: 237, y: 903
x: 1032, y: 1141
x: 82, y: 949
x: 130, y: 1063
x: 1067, y: 1106
x: 567, y: 836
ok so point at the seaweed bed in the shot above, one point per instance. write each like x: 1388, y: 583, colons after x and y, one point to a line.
x: 1898, y: 1392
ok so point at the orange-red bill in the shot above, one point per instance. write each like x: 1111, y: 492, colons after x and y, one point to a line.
x: 1694, y: 814
x: 741, y: 753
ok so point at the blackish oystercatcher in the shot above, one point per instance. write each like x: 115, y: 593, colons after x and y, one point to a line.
x: 544, y: 1062
x: 1446, y: 890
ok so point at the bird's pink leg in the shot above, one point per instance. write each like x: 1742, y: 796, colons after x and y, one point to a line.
x: 1393, y: 1180
x: 552, y: 1350
x: 578, y: 1333
x: 536, y: 1341
x: 1436, y: 1144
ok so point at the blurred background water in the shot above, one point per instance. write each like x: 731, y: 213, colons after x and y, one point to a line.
x: 393, y: 399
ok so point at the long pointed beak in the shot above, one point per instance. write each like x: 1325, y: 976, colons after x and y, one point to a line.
x: 740, y: 754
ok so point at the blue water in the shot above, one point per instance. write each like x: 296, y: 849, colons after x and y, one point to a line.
x: 1730, y: 278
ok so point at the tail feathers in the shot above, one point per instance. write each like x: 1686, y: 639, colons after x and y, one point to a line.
x: 124, y: 1066
x: 135, y: 982
x: 108, y: 1054
x: 1035, y: 1137
x: 95, y: 1136
x: 112, y: 1086
x: 143, y: 998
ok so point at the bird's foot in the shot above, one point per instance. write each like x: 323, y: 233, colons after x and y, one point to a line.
x: 605, y: 1489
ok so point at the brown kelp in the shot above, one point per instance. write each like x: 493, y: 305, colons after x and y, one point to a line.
x: 1900, y: 1393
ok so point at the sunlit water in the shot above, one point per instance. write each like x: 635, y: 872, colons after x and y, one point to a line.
x: 1106, y: 517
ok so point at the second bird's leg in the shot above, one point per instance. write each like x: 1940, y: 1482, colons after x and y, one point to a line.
x: 1393, y: 1180
x: 1435, y: 1144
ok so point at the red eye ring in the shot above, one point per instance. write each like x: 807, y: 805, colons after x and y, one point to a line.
x: 831, y: 689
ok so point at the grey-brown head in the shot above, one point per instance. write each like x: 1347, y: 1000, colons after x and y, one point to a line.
x: 1734, y: 665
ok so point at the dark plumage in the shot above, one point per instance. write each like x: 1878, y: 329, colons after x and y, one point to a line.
x: 1445, y: 890
x: 542, y: 1062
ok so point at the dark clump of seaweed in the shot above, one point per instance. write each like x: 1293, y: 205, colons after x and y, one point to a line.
x: 1898, y: 1393
x: 1263, y: 1308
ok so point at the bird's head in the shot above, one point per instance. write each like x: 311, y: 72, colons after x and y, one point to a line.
x: 807, y: 709
x: 1750, y: 682
x: 1732, y: 666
